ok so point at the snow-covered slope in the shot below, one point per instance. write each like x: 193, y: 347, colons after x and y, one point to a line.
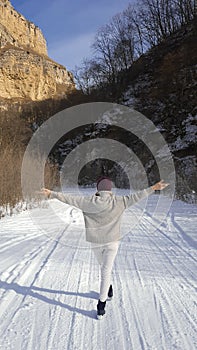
x: 161, y: 84
x: 49, y: 283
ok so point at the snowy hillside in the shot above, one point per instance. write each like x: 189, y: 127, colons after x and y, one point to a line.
x: 162, y: 85
x: 49, y: 283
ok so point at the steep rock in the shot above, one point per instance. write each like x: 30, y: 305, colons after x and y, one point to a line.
x: 19, y: 32
x: 26, y: 75
x: 26, y: 72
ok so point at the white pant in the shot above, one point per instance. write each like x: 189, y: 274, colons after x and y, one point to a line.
x: 105, y: 255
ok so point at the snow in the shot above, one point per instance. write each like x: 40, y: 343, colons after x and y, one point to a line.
x: 190, y: 136
x: 128, y: 98
x: 49, y: 282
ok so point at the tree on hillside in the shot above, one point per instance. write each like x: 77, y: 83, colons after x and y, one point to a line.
x: 128, y: 35
x: 159, y: 18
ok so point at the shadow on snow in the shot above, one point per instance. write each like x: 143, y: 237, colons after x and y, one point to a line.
x: 29, y: 291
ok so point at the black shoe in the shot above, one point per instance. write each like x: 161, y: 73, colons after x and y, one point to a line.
x: 110, y: 292
x: 100, y: 309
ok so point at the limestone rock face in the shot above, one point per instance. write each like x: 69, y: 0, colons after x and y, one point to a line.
x: 19, y: 32
x: 26, y: 72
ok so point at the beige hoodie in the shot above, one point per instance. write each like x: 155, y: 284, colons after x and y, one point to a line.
x: 102, y: 213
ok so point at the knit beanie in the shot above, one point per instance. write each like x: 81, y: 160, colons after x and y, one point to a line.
x: 104, y: 184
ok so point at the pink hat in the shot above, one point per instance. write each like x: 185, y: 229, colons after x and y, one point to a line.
x: 104, y: 184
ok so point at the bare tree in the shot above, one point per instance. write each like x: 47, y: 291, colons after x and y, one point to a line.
x: 133, y: 23
x: 82, y: 76
x: 114, y: 48
x: 128, y: 35
x: 123, y: 41
x: 103, y: 49
x: 186, y: 10
x: 159, y: 18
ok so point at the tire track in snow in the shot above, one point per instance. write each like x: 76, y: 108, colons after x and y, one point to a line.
x: 37, y: 264
x: 185, y: 237
x: 76, y: 331
x: 11, y: 274
x: 173, y: 250
x: 140, y: 310
x: 165, y: 291
x: 164, y: 317
x: 166, y: 236
x: 136, y: 333
x: 14, y: 242
x: 160, y: 318
x: 169, y: 304
x: 179, y: 299
x: 32, y: 336
x: 119, y: 322
x: 9, y: 278
x: 118, y: 317
x: 28, y: 257
x: 57, y: 312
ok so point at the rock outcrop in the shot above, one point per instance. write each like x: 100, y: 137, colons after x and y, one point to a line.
x: 26, y: 72
x: 16, y: 30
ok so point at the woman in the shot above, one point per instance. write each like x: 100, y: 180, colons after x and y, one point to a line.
x: 102, y: 214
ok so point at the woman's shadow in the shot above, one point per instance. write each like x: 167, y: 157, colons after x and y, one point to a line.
x: 32, y: 291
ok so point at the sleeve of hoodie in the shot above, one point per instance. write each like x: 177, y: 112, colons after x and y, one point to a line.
x: 136, y: 197
x: 75, y: 201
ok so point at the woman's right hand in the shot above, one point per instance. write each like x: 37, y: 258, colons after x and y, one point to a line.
x: 45, y: 192
x: 160, y: 185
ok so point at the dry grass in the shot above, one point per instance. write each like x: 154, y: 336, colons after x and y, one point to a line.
x: 14, y: 134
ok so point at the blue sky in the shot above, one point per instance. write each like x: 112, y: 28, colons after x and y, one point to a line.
x: 69, y: 26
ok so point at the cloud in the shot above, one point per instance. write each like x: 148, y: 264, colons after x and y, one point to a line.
x: 70, y: 26
x: 70, y: 52
x: 72, y: 38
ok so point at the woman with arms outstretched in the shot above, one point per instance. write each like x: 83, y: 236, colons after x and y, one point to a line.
x: 102, y: 215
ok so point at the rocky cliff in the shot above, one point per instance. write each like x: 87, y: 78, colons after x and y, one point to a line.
x: 26, y: 72
x: 16, y: 30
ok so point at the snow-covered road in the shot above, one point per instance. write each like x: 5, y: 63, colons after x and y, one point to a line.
x: 49, y: 284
